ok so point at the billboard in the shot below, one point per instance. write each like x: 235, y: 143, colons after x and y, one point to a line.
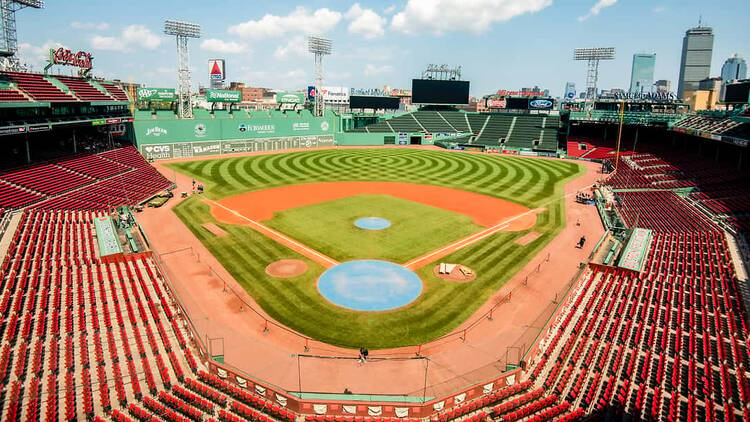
x: 216, y: 70
x: 737, y: 93
x: 374, y: 102
x: 495, y: 102
x: 290, y: 98
x: 541, y: 104
x: 310, y: 92
x: 431, y: 91
x: 335, y: 94
x: 156, y: 94
x: 219, y: 96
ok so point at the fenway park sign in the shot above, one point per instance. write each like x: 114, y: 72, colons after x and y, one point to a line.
x: 65, y: 57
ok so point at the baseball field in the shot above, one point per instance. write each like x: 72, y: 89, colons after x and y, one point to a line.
x: 306, y: 202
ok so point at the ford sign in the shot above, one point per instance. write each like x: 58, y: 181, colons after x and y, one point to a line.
x: 544, y: 104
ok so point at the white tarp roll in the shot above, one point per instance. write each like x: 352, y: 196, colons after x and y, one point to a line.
x: 459, y: 398
x: 402, y: 412
x: 349, y: 409
x: 281, y: 399
x: 260, y: 390
x: 241, y: 382
x: 487, y: 389
x: 374, y: 410
x: 438, y: 406
x: 222, y: 373
x: 320, y: 409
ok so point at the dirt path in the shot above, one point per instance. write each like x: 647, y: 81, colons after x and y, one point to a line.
x: 262, y: 204
x: 285, y: 240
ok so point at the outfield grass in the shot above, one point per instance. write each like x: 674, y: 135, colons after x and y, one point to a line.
x: 328, y: 227
x: 443, y: 305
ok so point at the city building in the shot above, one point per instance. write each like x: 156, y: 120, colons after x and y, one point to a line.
x: 663, y: 86
x: 570, y: 91
x: 642, y: 73
x: 249, y: 94
x: 707, y: 96
x: 695, y: 64
x: 734, y: 68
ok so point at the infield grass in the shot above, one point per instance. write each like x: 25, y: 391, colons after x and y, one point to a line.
x: 443, y: 305
x: 328, y: 227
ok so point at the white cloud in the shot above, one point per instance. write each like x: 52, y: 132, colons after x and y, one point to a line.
x: 299, y: 21
x: 102, y: 26
x: 595, y: 9
x: 140, y: 35
x: 659, y: 9
x: 460, y: 15
x: 36, y: 55
x: 295, y: 47
x: 373, y: 70
x: 107, y: 43
x: 365, y: 22
x: 132, y: 36
x: 220, y: 46
x: 389, y: 10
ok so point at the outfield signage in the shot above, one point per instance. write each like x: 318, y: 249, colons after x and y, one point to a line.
x: 167, y: 151
x: 635, y: 252
x: 63, y: 56
x: 521, y: 93
x: 216, y: 70
x: 156, y: 94
x: 12, y: 130
x: 220, y: 96
x: 290, y: 98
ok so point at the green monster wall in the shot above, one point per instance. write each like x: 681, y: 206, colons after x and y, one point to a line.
x: 166, y: 138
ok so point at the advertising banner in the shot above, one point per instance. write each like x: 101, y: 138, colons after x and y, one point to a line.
x: 216, y: 70
x: 196, y: 149
x: 220, y: 96
x: 290, y: 98
x: 156, y: 94
x: 541, y: 104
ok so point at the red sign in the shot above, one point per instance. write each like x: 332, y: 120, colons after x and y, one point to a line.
x: 66, y: 57
x: 524, y: 93
x: 496, y: 103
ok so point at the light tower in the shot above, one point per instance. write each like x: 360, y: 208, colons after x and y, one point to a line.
x: 319, y: 47
x: 183, y: 31
x: 9, y: 61
x: 592, y: 56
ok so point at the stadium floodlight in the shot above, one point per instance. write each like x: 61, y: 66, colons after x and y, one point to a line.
x: 9, y: 60
x: 319, y: 47
x: 183, y: 31
x: 593, y: 55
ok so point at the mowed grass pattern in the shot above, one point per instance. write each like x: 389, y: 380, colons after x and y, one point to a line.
x: 328, y: 227
x: 443, y: 305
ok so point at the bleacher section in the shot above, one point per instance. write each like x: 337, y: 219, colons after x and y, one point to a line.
x: 703, y: 123
x: 37, y: 87
x: 496, y: 127
x: 115, y: 91
x: 488, y: 128
x: 116, y: 177
x: 82, y: 89
x: 83, y: 338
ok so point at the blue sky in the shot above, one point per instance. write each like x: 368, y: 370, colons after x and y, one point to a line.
x: 501, y: 44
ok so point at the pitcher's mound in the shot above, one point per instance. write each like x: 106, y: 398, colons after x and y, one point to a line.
x: 286, y: 268
x: 455, y: 273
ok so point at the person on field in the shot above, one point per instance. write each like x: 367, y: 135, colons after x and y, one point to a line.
x: 581, y: 242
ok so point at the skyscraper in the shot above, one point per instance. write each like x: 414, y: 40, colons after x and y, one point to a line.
x: 642, y: 73
x: 570, y: 91
x: 663, y: 86
x: 734, y: 68
x: 695, y: 65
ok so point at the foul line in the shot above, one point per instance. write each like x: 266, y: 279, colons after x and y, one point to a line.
x: 471, y: 239
x: 273, y: 234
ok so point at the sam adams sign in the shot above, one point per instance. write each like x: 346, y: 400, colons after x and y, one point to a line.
x: 218, y: 96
